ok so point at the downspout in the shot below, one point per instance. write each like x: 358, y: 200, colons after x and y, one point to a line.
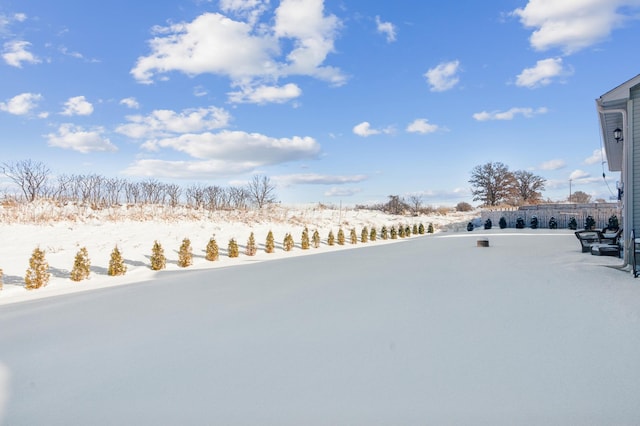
x: 626, y: 180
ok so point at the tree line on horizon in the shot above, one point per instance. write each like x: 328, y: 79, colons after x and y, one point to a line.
x: 36, y: 181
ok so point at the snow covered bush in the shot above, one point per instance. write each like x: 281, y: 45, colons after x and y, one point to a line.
x: 315, y: 239
x: 488, y: 224
x: 364, y: 235
x: 304, y: 243
x: 573, y: 223
x: 116, y: 263
x: 421, y: 229
x: 232, y: 248
x: 470, y: 226
x: 38, y: 273
x: 407, y: 231
x: 212, y: 250
x: 534, y: 222
x: 414, y: 230
x: 158, y: 259
x: 519, y: 223
x: 331, y: 239
x: 288, y: 244
x: 393, y: 232
x: 373, y: 235
x: 340, y: 237
x: 430, y: 228
x: 553, y: 224
x: 185, y: 254
x: 613, y: 223
x: 502, y: 222
x: 384, y: 232
x: 401, y: 233
x: 251, y: 248
x: 353, y: 236
x: 589, y: 223
x: 270, y: 245
x: 81, y: 265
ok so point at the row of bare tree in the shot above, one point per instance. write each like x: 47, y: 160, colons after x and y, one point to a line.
x: 35, y: 181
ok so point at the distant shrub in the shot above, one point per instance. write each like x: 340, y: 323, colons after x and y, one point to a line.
x: 573, y: 223
x: 430, y: 228
x: 364, y: 235
x: 116, y: 263
x: 288, y: 243
x: 1, y: 279
x: 38, y: 273
x: 421, y: 229
x: 502, y: 222
x: 414, y: 230
x: 212, y: 250
x: 340, y: 237
x: 384, y: 232
x: 613, y: 223
x: 373, y: 235
x: 401, y: 232
x: 232, y: 248
x: 534, y: 222
x: 488, y: 224
x: 304, y: 244
x: 519, y: 223
x: 331, y: 239
x: 393, y: 233
x: 251, y: 249
x: 270, y: 245
x: 353, y: 236
x: 315, y: 239
x: 81, y: 265
x: 589, y: 223
x: 470, y: 226
x: 407, y: 231
x: 185, y: 254
x: 158, y: 259
x: 553, y: 224
x: 464, y: 207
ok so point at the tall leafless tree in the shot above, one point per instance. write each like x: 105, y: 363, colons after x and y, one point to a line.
x: 30, y: 176
x: 416, y: 203
x: 492, y: 183
x: 528, y: 186
x: 261, y: 190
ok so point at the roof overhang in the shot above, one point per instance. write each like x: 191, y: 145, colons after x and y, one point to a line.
x: 612, y: 112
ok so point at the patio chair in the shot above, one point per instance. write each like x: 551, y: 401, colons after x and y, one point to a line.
x: 588, y: 238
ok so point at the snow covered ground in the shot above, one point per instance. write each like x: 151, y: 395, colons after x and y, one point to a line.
x: 426, y: 330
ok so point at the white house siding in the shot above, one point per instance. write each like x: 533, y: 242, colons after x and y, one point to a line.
x: 634, y: 136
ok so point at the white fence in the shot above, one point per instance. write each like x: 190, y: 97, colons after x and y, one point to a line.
x: 562, y: 213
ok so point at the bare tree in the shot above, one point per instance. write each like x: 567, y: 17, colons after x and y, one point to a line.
x: 580, y: 197
x: 195, y: 196
x: 173, y: 192
x: 30, y: 176
x: 261, y: 190
x: 416, y: 203
x: 528, y: 186
x: 492, y: 183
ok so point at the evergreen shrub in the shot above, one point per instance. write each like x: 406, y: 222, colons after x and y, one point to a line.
x: 331, y: 239
x: 469, y: 226
x: 553, y: 223
x: 488, y: 224
x: 81, y: 265
x: 232, y: 248
x: 212, y: 250
x: 589, y: 223
x: 251, y: 248
x: 315, y: 239
x: 158, y: 259
x: 116, y: 263
x: 502, y: 222
x: 573, y: 223
x: 38, y: 273
x: 519, y: 223
x: 270, y: 245
x: 534, y: 222
x: 185, y: 254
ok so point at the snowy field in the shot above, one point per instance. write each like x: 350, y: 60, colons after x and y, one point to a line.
x: 427, y: 330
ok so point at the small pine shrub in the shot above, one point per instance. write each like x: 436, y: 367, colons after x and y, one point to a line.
x: 553, y: 224
x: 373, y: 235
x: 613, y: 223
x: 331, y: 239
x: 573, y: 223
x: 287, y: 244
x: 232, y: 248
x: 270, y: 245
x: 589, y: 223
x: 534, y: 222
x: 81, y: 265
x: 488, y: 224
x: 519, y: 223
x: 469, y: 226
x: 430, y: 229
x: 421, y: 229
x: 364, y: 235
x: 353, y: 236
x: 393, y: 233
x: 414, y: 230
x: 1, y: 279
x: 502, y: 222
x: 340, y: 237
x: 384, y: 232
x: 38, y: 273
x: 401, y: 233
x: 116, y: 263
x: 212, y: 250
x: 158, y: 259
x: 185, y: 255
x: 251, y: 248
x: 304, y: 243
x: 315, y: 239
x: 407, y: 231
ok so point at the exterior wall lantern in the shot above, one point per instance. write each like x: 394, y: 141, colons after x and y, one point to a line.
x: 617, y: 134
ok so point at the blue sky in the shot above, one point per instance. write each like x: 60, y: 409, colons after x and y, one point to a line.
x: 334, y: 101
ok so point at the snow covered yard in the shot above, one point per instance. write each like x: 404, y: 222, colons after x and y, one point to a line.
x: 431, y: 330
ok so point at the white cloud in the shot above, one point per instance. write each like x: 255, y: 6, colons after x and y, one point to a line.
x: 578, y: 174
x: 161, y: 123
x: 555, y: 164
x: 188, y: 169
x: 571, y: 25
x: 16, y: 52
x: 21, y: 104
x: 422, y: 126
x: 386, y: 28
x: 444, y: 76
x: 78, y: 139
x: 341, y: 192
x: 318, y: 179
x: 542, y: 74
x: 509, y: 114
x: 597, y: 157
x: 241, y: 147
x: 130, y: 103
x: 364, y: 129
x: 266, y: 94
x: 77, y: 105
x: 250, y: 53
